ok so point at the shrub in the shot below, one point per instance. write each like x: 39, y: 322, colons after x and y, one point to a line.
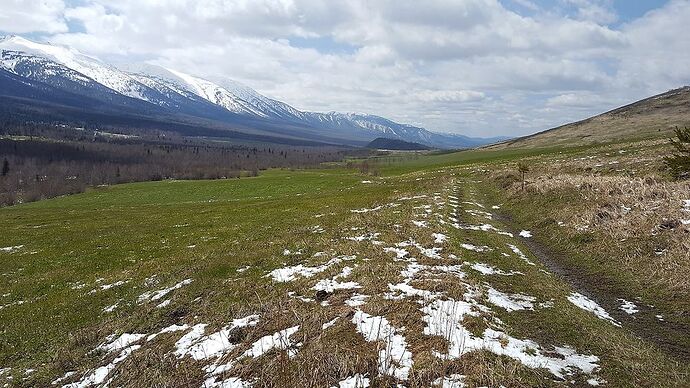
x: 679, y: 162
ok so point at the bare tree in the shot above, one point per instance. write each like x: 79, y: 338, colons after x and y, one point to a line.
x: 523, y: 169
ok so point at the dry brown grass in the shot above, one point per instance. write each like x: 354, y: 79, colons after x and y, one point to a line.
x: 644, y: 213
x: 649, y: 118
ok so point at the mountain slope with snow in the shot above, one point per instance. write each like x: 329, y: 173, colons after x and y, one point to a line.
x: 179, y: 92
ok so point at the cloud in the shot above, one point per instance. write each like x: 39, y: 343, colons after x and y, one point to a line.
x: 450, y: 95
x: 597, y: 11
x: 473, y: 66
x: 26, y: 16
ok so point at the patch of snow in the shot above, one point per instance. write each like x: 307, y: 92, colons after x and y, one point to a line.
x: 329, y: 323
x: 183, y: 344
x: 11, y: 249
x: 365, y: 210
x: 395, y: 359
x: 121, y: 342
x: 163, y: 304
x: 480, y: 213
x: 218, y: 343
x: 510, y: 302
x: 587, y: 304
x: 368, y: 236
x: 357, y: 300
x: 59, y: 379
x: 231, y: 382
x: 399, y: 252
x: 110, y: 308
x: 486, y: 269
x: 280, y: 340
x: 356, y: 381
x: 482, y: 228
x: 471, y: 247
x: 168, y: 329
x: 156, y: 295
x: 628, y: 306
x: 439, y: 238
x: 99, y: 375
x: 109, y: 286
x: 452, y: 381
x: 288, y: 274
x: 525, y: 233
x: 330, y: 285
x: 444, y: 318
x: 521, y: 255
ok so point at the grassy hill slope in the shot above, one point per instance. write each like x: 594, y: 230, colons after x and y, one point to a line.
x: 653, y: 117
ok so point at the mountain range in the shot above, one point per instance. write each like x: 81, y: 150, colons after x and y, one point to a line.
x: 45, y: 82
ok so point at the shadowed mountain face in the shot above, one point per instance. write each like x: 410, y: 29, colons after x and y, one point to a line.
x: 76, y: 87
x: 383, y: 143
x: 652, y: 117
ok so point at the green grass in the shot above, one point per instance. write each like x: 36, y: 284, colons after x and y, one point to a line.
x: 152, y: 235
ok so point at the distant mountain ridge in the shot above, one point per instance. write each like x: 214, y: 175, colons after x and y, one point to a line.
x: 149, y: 89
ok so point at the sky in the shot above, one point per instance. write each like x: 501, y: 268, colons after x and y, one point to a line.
x: 474, y: 67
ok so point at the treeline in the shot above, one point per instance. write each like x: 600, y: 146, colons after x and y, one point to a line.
x: 34, y: 168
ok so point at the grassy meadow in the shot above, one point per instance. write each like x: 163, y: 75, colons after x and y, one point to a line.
x: 418, y: 275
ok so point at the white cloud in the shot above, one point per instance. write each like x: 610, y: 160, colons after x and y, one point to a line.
x: 598, y: 11
x: 25, y: 16
x: 472, y: 66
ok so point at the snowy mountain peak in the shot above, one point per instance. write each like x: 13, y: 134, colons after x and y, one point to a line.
x: 91, y: 67
x: 182, y: 92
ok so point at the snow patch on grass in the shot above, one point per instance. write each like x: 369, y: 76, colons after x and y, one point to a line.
x: 168, y: 329
x: 444, y: 318
x: 156, y: 295
x: 421, y: 224
x: 394, y: 359
x: 218, y: 343
x: 471, y: 247
x: 330, y: 285
x: 520, y: 254
x: 121, y: 342
x: 280, y: 340
x: 486, y: 269
x: 99, y: 375
x: 399, y: 252
x: 357, y: 300
x: 11, y: 249
x: 628, y: 306
x: 329, y: 323
x: 439, y: 238
x: 510, y: 302
x: 481, y: 228
x: 288, y: 274
x: 587, y: 304
x: 356, y: 381
x: 452, y: 381
x: 525, y: 233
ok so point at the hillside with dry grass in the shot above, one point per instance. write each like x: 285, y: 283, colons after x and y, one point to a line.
x: 653, y: 117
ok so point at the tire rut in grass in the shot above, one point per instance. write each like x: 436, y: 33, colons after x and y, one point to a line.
x: 670, y: 337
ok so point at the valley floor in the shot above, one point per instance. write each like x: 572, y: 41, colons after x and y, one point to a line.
x: 308, y: 278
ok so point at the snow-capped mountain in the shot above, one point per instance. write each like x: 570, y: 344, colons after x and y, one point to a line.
x: 178, y: 92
